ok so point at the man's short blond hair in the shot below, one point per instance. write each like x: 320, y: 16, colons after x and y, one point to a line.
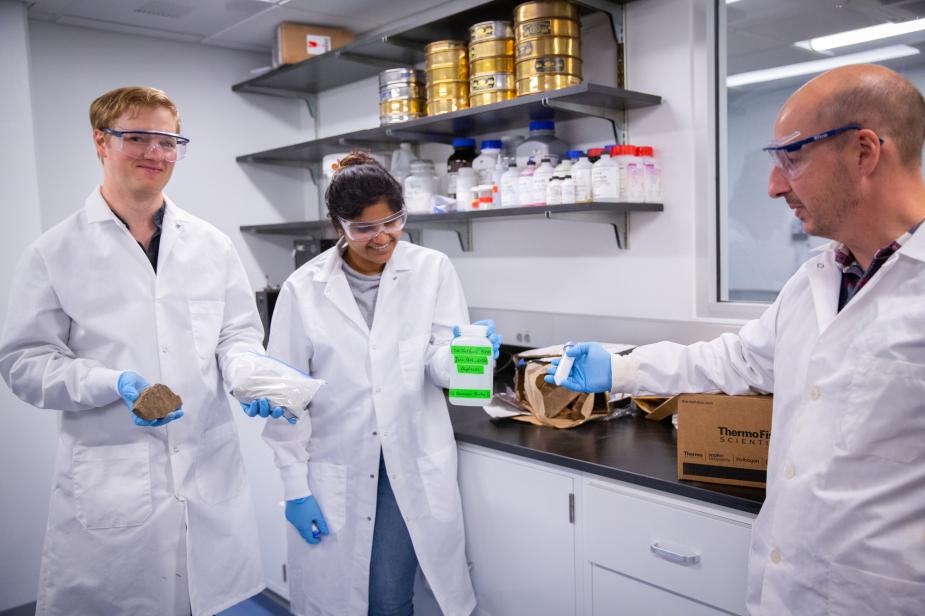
x: 110, y: 106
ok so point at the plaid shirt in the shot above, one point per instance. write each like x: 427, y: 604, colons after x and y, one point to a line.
x: 853, y: 277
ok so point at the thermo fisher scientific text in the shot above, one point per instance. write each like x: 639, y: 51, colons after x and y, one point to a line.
x: 473, y: 367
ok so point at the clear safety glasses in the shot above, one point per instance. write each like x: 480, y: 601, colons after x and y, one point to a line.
x: 785, y: 153
x: 358, y: 231
x: 137, y: 144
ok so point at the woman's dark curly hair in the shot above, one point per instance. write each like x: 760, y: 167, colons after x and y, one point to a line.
x: 359, y: 181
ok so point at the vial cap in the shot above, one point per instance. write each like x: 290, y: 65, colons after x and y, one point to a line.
x: 491, y: 144
x: 463, y: 142
x: 477, y: 331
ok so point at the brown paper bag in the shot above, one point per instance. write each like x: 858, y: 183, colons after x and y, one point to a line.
x: 549, y: 405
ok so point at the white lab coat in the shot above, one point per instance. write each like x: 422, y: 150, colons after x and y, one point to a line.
x: 135, y: 509
x: 842, y: 531
x: 383, y: 390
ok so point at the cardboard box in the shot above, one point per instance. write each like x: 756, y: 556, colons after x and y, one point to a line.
x: 724, y: 439
x: 296, y: 42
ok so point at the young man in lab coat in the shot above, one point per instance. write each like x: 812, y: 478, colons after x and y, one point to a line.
x: 842, y: 530
x: 146, y: 517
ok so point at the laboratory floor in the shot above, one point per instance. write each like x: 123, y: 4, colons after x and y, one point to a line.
x: 264, y: 604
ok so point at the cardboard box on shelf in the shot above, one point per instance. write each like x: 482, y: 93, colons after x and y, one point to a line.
x: 721, y: 439
x: 296, y: 42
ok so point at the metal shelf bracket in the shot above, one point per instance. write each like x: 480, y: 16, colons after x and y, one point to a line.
x: 360, y: 58
x: 463, y: 230
x: 617, y: 117
x: 607, y: 218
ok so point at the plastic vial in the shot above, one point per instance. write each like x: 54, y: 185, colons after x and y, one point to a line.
x: 581, y: 174
x: 525, y: 184
x: 540, y: 180
x: 509, y: 181
x: 554, y: 191
x: 462, y: 156
x: 605, y: 184
x: 472, y: 378
x: 541, y: 142
x: 653, y: 191
x: 465, y: 186
x: 485, y: 162
x: 568, y: 189
x: 565, y: 364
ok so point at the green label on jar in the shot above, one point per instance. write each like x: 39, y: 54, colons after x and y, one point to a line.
x: 469, y: 369
x: 470, y: 393
x: 481, y: 360
x: 470, y: 350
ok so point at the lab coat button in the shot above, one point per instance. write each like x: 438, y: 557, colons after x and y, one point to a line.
x: 176, y: 450
x: 790, y: 472
x: 369, y: 518
x: 179, y: 498
x: 775, y: 556
x: 814, y: 393
x: 372, y: 476
x: 375, y: 434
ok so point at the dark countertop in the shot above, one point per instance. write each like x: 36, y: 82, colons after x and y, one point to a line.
x: 630, y: 449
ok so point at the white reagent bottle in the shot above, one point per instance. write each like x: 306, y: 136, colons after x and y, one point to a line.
x: 473, y: 373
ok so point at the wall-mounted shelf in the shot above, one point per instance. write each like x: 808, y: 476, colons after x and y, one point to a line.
x: 581, y: 101
x: 614, y: 214
x: 400, y: 43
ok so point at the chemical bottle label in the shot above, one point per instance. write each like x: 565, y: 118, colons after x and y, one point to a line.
x: 470, y: 393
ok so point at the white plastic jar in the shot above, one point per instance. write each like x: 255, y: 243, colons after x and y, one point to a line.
x: 472, y: 377
x: 420, y: 187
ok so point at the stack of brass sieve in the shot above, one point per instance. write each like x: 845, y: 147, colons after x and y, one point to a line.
x: 491, y: 62
x: 447, y: 77
x: 401, y: 95
x: 548, y: 46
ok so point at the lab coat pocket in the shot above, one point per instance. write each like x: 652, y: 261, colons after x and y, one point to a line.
x: 219, y: 466
x: 206, y: 319
x: 864, y: 593
x: 411, y: 359
x: 328, y: 483
x: 112, y: 485
x: 438, y: 474
x: 886, y: 411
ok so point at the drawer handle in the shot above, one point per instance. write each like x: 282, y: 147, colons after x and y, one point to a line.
x: 674, y: 557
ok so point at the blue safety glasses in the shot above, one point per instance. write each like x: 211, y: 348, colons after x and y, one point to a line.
x: 784, y: 152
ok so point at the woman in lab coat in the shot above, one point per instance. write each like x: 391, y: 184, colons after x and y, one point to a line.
x: 370, y: 480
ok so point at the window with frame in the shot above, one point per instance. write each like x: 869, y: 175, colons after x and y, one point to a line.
x: 767, y: 50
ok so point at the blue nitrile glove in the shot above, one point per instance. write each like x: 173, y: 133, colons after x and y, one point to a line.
x: 130, y: 386
x: 261, y: 408
x: 591, y: 372
x: 495, y: 338
x: 305, y: 514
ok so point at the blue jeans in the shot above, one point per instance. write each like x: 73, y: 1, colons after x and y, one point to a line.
x: 393, y: 563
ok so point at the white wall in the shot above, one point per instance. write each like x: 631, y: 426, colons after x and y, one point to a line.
x: 27, y: 435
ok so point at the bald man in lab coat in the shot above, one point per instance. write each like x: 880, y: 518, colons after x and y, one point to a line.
x: 842, y: 349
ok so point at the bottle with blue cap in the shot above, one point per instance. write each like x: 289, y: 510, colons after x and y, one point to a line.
x: 462, y: 156
x: 541, y: 143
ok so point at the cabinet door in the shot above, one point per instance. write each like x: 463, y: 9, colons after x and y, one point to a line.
x: 614, y: 594
x: 519, y: 536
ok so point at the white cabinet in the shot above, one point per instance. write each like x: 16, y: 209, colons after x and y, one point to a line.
x: 519, y: 535
x: 544, y: 539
